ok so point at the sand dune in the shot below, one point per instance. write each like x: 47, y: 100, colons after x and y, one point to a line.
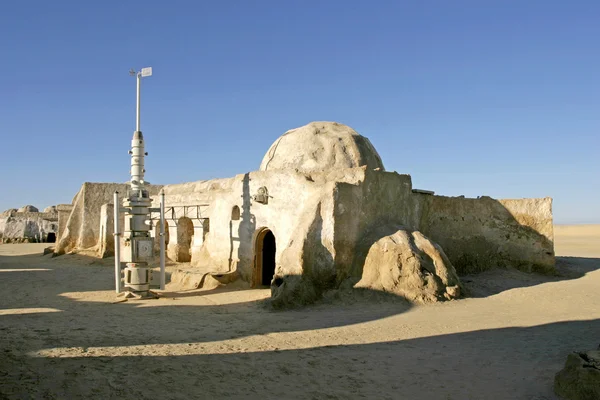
x: 62, y: 337
x: 577, y: 240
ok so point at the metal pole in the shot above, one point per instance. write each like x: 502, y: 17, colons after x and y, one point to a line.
x: 162, y: 240
x: 117, y: 236
x: 137, y: 109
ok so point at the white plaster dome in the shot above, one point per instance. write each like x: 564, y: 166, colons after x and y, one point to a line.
x: 28, y: 208
x: 321, y: 146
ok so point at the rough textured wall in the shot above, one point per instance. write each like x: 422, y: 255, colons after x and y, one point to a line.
x: 479, y: 234
x: 82, y: 229
x: 64, y: 211
x: 106, y: 239
x: 293, y: 199
x: 320, y: 221
x: 476, y: 234
x: 15, y: 225
x: 379, y: 198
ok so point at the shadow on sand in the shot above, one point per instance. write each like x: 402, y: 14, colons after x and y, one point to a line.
x: 112, y: 325
x: 506, y: 363
x: 498, y: 280
x: 451, y: 366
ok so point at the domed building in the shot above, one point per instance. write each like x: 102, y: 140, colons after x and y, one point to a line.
x: 322, y: 212
x: 50, y: 209
x: 28, y: 208
x: 321, y: 146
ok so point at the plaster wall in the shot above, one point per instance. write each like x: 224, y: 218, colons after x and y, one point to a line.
x: 476, y: 234
x: 320, y: 221
x: 82, y: 230
x: 63, y: 211
x: 106, y: 241
x: 479, y: 234
x: 228, y: 243
x: 32, y: 225
x: 377, y: 199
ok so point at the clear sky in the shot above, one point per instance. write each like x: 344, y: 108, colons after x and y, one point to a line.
x: 479, y: 97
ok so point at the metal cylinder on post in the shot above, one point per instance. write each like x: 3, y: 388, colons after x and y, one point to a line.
x: 137, y: 161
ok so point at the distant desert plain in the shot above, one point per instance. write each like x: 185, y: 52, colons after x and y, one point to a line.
x: 63, y: 335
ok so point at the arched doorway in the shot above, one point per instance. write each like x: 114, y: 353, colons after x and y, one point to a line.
x: 51, y: 237
x: 185, y: 234
x: 157, y: 236
x: 264, y: 258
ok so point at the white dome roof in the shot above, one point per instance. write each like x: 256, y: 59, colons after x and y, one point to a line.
x: 321, y: 146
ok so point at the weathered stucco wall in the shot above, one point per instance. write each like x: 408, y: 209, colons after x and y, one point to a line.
x: 479, y: 234
x: 320, y: 222
x: 476, y: 234
x: 63, y: 211
x: 106, y: 241
x: 82, y: 229
x: 379, y: 198
x: 294, y: 201
x: 27, y: 225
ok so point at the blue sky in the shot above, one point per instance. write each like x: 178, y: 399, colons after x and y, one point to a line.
x: 498, y: 98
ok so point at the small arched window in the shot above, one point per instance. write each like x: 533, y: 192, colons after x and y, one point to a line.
x: 235, y: 213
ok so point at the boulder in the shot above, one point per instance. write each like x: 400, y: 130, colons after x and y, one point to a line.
x: 321, y: 146
x: 580, y: 378
x: 50, y: 209
x: 410, y: 265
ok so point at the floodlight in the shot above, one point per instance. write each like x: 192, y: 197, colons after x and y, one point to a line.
x: 147, y: 71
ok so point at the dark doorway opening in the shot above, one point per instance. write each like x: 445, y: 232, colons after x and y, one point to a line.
x: 51, y: 237
x: 268, y: 258
x: 264, y: 258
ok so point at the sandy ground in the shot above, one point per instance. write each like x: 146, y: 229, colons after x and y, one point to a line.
x: 61, y: 336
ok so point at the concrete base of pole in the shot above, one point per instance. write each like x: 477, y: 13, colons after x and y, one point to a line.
x: 145, y: 295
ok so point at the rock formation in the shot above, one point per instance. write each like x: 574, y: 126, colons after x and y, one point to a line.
x: 408, y: 264
x: 580, y: 378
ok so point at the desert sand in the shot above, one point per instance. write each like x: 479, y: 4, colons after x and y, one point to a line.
x: 63, y: 335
